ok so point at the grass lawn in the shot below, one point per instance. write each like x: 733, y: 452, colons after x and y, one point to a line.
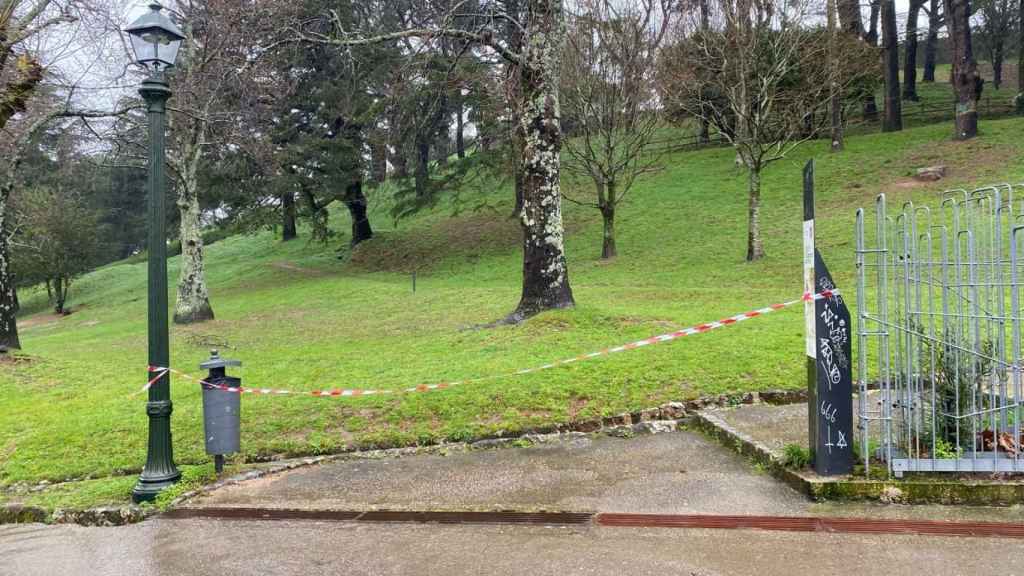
x: 301, y: 318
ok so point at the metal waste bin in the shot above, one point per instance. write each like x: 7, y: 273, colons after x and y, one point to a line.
x: 221, y: 409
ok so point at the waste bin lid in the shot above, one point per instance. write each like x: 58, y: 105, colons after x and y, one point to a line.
x: 216, y: 361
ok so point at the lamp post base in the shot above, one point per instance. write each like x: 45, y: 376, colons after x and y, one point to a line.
x: 147, y: 489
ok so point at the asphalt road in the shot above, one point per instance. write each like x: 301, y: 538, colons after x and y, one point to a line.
x: 215, y: 547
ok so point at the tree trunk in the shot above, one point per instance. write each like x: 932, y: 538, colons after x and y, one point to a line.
x: 1020, y: 54
x: 545, y: 273
x: 460, y: 129
x: 8, y: 324
x: 608, y: 250
x: 61, y: 293
x: 871, y: 37
x: 910, y: 53
x: 965, y: 79
x: 289, y: 231
x: 193, y: 303
x: 400, y: 162
x: 356, y: 203
x: 835, y: 101
x: 422, y: 165
x: 849, y: 18
x: 931, y: 45
x: 755, y: 246
x: 514, y: 37
x: 997, y: 63
x: 378, y: 158
x: 893, y: 120
x: 19, y: 89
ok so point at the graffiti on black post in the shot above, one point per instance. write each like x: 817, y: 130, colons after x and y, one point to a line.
x: 833, y: 450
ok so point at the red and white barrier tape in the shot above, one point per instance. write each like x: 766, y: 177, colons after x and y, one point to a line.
x: 699, y: 329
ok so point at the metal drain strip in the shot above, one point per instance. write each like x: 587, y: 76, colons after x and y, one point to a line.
x: 721, y: 522
x: 424, y: 517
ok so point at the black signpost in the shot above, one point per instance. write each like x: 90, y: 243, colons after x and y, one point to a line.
x: 829, y: 368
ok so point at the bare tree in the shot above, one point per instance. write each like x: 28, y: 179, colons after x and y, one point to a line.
x: 214, y: 64
x: 757, y: 74
x: 609, y: 99
x: 998, y: 22
x: 25, y: 25
x: 538, y: 65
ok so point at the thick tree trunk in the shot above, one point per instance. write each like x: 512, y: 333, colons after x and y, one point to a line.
x: 356, y: 203
x: 931, y: 45
x: 19, y: 89
x: 849, y: 18
x: 8, y: 324
x: 194, y: 299
x: 893, y: 120
x: 608, y: 250
x: 61, y: 295
x: 545, y: 273
x: 193, y: 303
x: 910, y: 53
x: 289, y: 231
x: 966, y: 82
x: 755, y: 246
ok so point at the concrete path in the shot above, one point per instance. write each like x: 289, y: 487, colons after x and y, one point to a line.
x: 672, y: 473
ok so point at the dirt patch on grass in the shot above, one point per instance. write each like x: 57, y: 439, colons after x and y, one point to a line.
x: 422, y: 249
x: 971, y: 163
x: 576, y: 406
x: 38, y: 320
x: 292, y: 267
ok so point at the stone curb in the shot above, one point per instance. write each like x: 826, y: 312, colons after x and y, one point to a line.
x: 892, y: 491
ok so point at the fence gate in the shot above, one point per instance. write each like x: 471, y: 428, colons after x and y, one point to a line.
x: 939, y: 333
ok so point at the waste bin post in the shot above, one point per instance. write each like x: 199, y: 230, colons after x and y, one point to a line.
x: 221, y: 409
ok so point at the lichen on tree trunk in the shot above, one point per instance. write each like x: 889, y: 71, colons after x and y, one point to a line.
x: 755, y: 246
x: 545, y: 274
x: 193, y: 303
x: 8, y: 323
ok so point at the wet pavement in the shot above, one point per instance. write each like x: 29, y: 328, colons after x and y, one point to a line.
x: 671, y: 473
x: 207, y: 548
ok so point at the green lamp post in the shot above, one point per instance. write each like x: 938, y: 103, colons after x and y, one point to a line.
x: 155, y: 40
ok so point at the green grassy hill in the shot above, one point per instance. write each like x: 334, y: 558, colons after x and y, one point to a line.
x: 300, y: 318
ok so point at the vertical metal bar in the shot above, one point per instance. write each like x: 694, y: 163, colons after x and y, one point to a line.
x: 862, y: 345
x: 883, y: 315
